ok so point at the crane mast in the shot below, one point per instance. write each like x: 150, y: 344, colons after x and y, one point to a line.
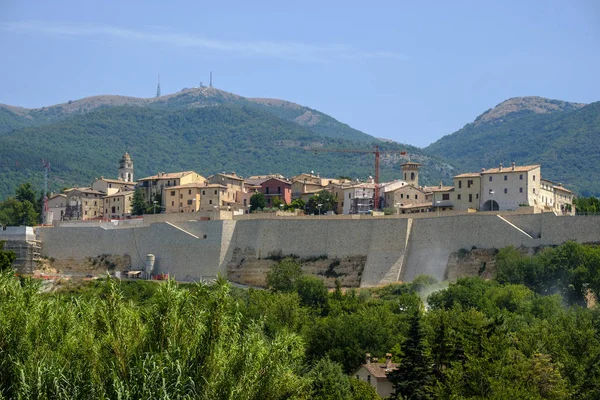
x: 377, y: 153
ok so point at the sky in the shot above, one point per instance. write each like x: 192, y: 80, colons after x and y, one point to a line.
x: 407, y: 71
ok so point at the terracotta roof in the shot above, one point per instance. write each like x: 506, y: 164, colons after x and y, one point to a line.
x: 215, y: 185
x: 439, y: 189
x: 228, y: 176
x: 117, y: 181
x: 378, y: 370
x: 252, y: 181
x: 278, y: 179
x: 87, y: 190
x: 469, y: 175
x: 522, y: 168
x: 187, y: 185
x: 410, y: 163
x: 361, y: 185
x: 561, y: 188
x: 170, y: 175
x: 123, y: 193
x: 57, y: 195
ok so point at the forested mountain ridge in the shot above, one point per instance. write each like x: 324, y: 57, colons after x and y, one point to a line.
x: 562, y: 137
x: 244, y: 139
x: 17, y: 117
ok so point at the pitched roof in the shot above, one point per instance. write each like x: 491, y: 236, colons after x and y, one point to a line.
x: 196, y: 184
x: 438, y: 188
x: 230, y: 176
x: 561, y: 188
x: 518, y: 168
x: 169, y: 175
x: 469, y: 175
x: 86, y: 190
x: 57, y: 195
x: 120, y: 193
x: 117, y: 181
x: 215, y: 185
x: 378, y: 370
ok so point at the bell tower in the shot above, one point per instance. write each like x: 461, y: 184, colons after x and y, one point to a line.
x: 126, y: 168
x: 410, y: 173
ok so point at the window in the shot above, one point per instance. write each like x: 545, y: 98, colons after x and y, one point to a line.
x: 469, y: 183
x: 215, y: 192
x: 477, y: 195
x: 267, y: 190
x: 181, y: 195
x: 505, y: 177
x: 445, y: 196
x: 520, y: 190
x: 369, y: 378
x: 95, y: 203
x: 113, y: 209
x: 172, y: 193
x: 349, y: 195
x: 85, y: 212
x: 470, y: 198
x: 210, y: 202
x: 458, y: 196
x: 172, y: 204
x: 460, y: 184
x: 189, y: 202
x: 521, y: 177
x: 401, y: 195
x: 180, y: 204
x: 203, y: 192
x: 412, y: 176
x: 534, y: 177
x: 190, y: 191
x: 85, y: 203
x: 416, y: 197
x: 279, y: 189
x: 533, y: 190
x: 505, y: 190
x: 358, y: 377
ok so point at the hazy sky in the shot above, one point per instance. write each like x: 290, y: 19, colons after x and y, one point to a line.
x: 408, y: 71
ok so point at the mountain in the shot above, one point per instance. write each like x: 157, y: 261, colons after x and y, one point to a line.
x: 16, y: 117
x: 85, y: 139
x: 563, y: 137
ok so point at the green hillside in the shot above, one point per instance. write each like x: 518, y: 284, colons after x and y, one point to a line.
x: 313, y: 120
x: 243, y: 139
x: 566, y: 142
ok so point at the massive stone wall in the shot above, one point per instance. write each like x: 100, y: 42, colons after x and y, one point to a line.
x: 394, y: 248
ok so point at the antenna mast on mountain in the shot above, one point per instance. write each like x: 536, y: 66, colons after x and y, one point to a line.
x: 158, y: 87
x: 210, y: 78
x: 45, y: 212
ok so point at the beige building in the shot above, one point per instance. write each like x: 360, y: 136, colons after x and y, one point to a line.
x: 376, y: 374
x: 111, y: 186
x: 153, y: 185
x: 358, y: 198
x: 213, y: 197
x: 234, y: 184
x: 508, y: 188
x: 83, y: 204
x: 183, y: 198
x: 410, y: 172
x: 409, y: 199
x: 563, y: 200
x: 441, y: 199
x: 310, y: 183
x: 467, y: 188
x: 118, y: 205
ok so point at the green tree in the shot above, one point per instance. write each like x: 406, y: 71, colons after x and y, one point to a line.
x: 25, y: 193
x: 6, y: 257
x: 296, y: 204
x: 138, y: 204
x: 329, y: 381
x: 324, y: 198
x: 277, y: 202
x: 361, y: 390
x: 283, y: 275
x: 413, y: 378
x: 312, y: 291
x: 257, y: 200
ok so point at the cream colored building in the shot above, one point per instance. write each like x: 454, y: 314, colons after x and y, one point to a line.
x: 563, y: 200
x: 408, y: 199
x: 376, y: 374
x: 304, y: 184
x: 410, y: 172
x: 358, y: 198
x: 118, y: 205
x: 212, y: 197
x: 183, y: 198
x: 153, y: 185
x: 234, y: 184
x: 83, y: 204
x: 441, y: 199
x: 507, y: 188
x: 467, y: 188
x: 111, y: 186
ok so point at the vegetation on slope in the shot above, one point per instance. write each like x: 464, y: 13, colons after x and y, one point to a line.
x: 208, y: 140
x: 513, y: 337
x: 565, y: 143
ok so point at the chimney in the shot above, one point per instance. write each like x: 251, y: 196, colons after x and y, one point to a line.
x: 375, y: 360
x: 388, y: 360
x: 513, y: 166
x: 368, y: 358
x: 441, y: 184
x: 500, y: 168
x: 482, y: 169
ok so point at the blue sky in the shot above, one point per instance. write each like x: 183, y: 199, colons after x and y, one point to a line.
x: 407, y: 71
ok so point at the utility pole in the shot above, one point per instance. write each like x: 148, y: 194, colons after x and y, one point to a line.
x: 158, y: 87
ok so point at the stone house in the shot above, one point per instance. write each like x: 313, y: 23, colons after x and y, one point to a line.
x: 118, y: 205
x: 376, y: 374
x: 213, y: 197
x: 183, y: 198
x: 153, y: 185
x: 57, y: 205
x: 111, y: 186
x: 467, y: 188
x: 408, y: 199
x: 83, y: 204
x: 358, y: 198
x: 233, y: 183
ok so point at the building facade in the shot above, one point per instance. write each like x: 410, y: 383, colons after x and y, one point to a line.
x: 83, y: 204
x: 376, y: 374
x: 118, y: 205
x: 153, y: 185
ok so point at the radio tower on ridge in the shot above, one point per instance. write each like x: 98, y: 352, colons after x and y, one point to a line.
x: 158, y: 87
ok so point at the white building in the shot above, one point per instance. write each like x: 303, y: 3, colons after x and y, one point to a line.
x: 376, y: 374
x: 509, y: 188
x: 359, y: 198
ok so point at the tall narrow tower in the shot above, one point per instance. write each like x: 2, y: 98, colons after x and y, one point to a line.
x: 126, y: 168
x: 158, y: 87
x: 410, y: 171
x: 210, y: 78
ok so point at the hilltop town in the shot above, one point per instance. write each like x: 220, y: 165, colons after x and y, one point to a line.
x: 504, y: 188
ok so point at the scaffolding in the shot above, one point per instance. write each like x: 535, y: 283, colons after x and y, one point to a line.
x: 27, y: 252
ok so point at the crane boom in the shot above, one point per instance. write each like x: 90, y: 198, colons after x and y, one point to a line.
x: 375, y: 151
